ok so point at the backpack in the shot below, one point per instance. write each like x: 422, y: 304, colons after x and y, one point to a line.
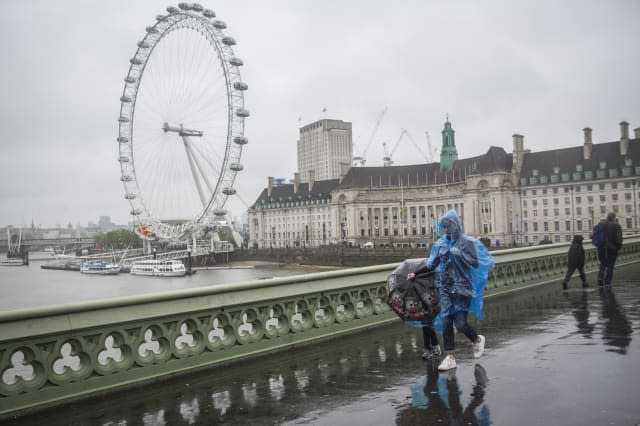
x: 598, y: 238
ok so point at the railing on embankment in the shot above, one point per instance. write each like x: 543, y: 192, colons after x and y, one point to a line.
x: 52, y: 354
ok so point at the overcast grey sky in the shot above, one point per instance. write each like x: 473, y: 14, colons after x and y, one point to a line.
x: 544, y: 69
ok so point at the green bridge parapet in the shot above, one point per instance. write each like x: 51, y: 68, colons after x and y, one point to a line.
x: 59, y: 353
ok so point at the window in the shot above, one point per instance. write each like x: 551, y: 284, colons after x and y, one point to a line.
x: 629, y: 224
x: 545, y: 202
x: 578, y: 199
x: 590, y: 199
x: 601, y: 186
x: 579, y: 225
x: 614, y: 197
x: 544, y: 191
x: 555, y: 201
x: 546, y: 226
x: 535, y: 226
x: 603, y: 198
x: 628, y: 208
x: 555, y: 190
x: 524, y: 203
x: 589, y: 187
x: 603, y: 209
x: 534, y: 202
x: 533, y: 192
x: 526, y: 227
x: 526, y: 213
x: 545, y: 212
x: 627, y: 196
x: 556, y: 238
x: 535, y: 213
x: 556, y: 212
x: 567, y: 211
x: 567, y: 225
x: 615, y: 208
x: 567, y: 200
x: 579, y: 211
x: 614, y: 185
x: 567, y: 237
x: 556, y: 226
x: 566, y: 189
x: 627, y: 184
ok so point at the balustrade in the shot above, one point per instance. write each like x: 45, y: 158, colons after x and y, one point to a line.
x: 58, y: 353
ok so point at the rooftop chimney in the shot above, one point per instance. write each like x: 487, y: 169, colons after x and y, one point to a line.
x: 518, y: 152
x: 269, y: 185
x: 588, y: 145
x: 636, y: 132
x: 624, y: 137
x: 296, y: 182
x: 312, y: 179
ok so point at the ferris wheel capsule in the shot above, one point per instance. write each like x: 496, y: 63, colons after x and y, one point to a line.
x: 172, y: 10
x: 229, y: 41
x: 209, y: 13
x: 237, y: 62
x: 184, y: 6
x: 219, y: 212
x: 241, y: 140
x: 197, y: 7
x: 241, y: 112
x: 219, y: 25
x: 236, y: 167
x: 239, y: 85
x: 228, y: 191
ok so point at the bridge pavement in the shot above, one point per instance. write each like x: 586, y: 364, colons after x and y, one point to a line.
x: 552, y: 358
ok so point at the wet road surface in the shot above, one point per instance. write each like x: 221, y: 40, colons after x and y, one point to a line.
x: 552, y: 358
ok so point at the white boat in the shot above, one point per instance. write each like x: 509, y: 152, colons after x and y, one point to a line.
x: 99, y: 268
x: 158, y: 268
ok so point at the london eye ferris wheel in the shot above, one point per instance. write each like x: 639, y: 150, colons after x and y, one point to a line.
x: 181, y: 123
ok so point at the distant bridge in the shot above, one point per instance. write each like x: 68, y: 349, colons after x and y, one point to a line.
x: 49, y: 242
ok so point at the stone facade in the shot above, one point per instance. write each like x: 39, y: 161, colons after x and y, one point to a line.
x: 519, y: 198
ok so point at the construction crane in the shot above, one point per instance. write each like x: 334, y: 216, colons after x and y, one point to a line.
x: 432, y: 151
x: 362, y: 159
x: 427, y: 158
x: 388, y: 155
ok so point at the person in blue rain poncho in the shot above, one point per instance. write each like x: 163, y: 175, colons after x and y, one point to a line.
x: 462, y: 266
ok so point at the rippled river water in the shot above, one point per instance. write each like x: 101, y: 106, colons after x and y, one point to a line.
x: 31, y: 286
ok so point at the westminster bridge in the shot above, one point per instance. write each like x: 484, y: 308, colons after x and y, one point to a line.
x: 552, y: 357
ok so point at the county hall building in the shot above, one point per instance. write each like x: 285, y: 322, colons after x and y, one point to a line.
x: 513, y: 198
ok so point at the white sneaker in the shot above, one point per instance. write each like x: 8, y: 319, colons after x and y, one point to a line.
x: 447, y: 363
x: 478, y: 348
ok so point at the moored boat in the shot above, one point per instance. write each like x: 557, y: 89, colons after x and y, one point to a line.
x: 158, y: 268
x: 99, y: 268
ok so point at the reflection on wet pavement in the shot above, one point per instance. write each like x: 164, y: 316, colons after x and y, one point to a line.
x: 551, y: 358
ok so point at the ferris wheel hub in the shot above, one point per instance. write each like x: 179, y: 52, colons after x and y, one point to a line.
x: 181, y: 130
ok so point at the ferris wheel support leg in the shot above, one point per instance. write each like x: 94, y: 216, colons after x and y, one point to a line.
x: 146, y: 246
x: 193, y: 172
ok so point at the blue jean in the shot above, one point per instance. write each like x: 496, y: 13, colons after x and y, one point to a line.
x: 460, y: 321
x: 607, y: 258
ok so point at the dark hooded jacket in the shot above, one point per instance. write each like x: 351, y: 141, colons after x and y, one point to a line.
x: 613, y: 235
x: 576, y: 253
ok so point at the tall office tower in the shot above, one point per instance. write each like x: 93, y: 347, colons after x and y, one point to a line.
x: 324, y: 149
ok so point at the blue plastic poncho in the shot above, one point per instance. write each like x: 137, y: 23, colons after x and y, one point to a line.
x: 462, y: 265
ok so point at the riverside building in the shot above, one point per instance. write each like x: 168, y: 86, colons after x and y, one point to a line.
x: 517, y: 198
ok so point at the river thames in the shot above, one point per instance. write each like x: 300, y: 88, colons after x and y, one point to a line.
x: 31, y: 286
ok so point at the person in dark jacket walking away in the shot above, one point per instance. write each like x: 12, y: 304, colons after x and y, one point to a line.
x: 609, y: 252
x: 575, y: 260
